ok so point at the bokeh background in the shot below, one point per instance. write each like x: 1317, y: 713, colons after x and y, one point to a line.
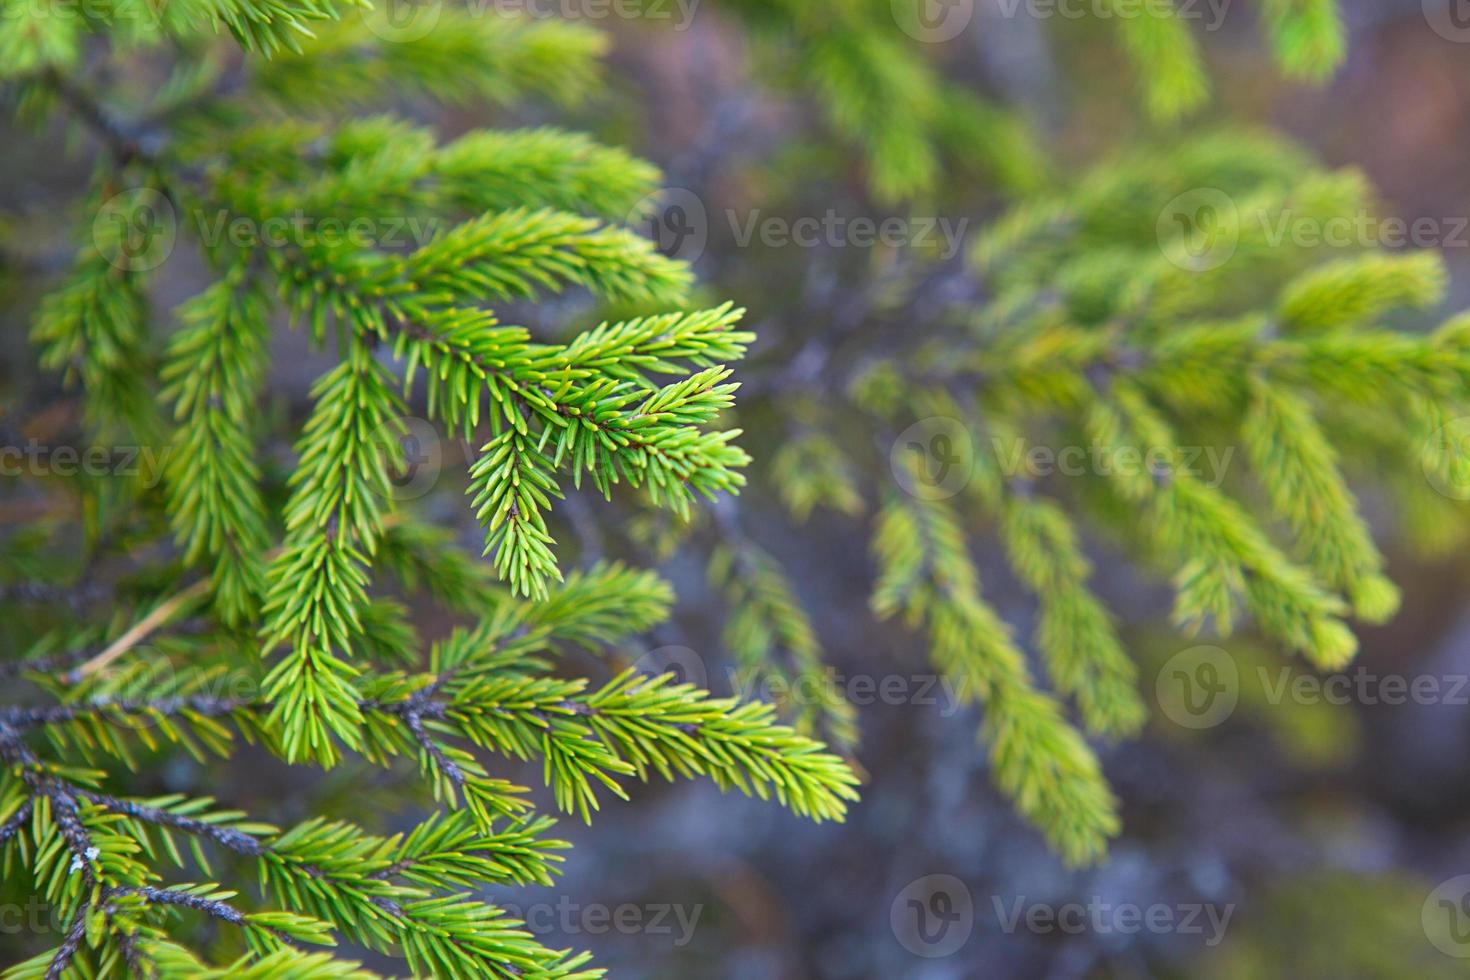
x: 1317, y: 832
x: 1286, y: 840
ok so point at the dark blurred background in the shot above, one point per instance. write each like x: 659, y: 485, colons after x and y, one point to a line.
x: 1287, y: 841
x: 1291, y: 840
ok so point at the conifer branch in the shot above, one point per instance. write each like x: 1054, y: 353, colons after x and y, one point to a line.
x: 1104, y: 320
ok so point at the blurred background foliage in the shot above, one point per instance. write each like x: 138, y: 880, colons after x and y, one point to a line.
x: 1323, y: 826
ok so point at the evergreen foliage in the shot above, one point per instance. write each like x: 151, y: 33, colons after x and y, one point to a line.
x: 280, y: 586
x: 1108, y: 315
x: 1145, y: 345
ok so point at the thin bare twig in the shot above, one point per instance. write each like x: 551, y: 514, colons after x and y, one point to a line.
x: 139, y: 631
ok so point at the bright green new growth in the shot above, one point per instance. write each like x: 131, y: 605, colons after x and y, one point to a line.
x: 1162, y: 312
x: 290, y: 647
x: 1162, y: 303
